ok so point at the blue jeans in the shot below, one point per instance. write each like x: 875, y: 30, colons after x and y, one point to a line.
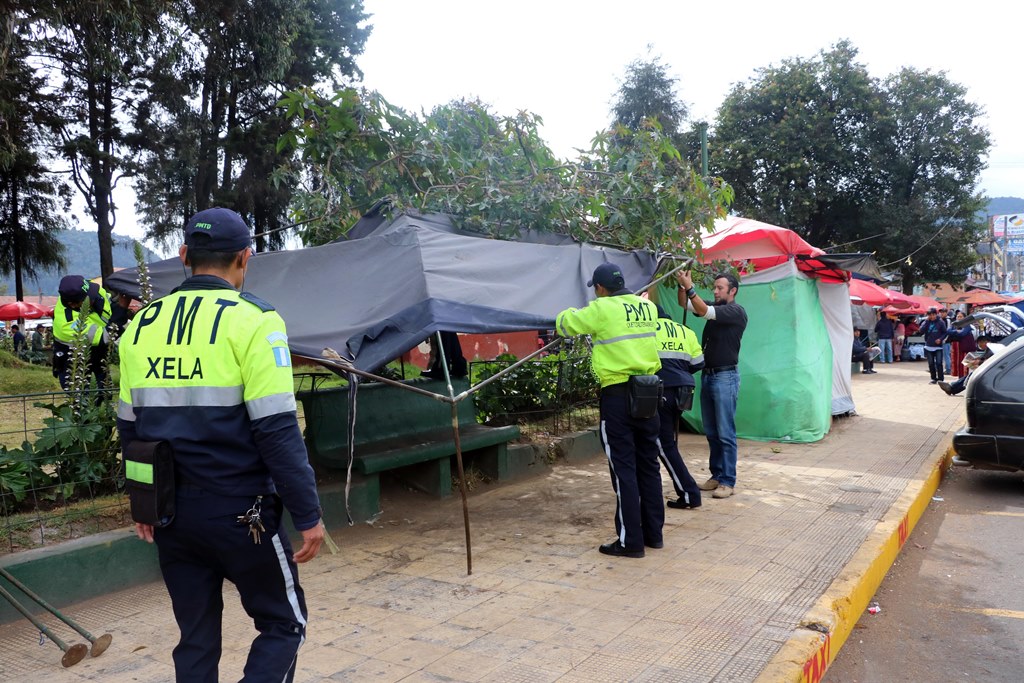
x: 885, y: 346
x: 718, y: 395
x: 947, y: 350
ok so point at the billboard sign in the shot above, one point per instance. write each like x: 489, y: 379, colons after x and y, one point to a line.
x: 1007, y: 225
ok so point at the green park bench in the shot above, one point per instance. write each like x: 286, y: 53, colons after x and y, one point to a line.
x: 402, y: 433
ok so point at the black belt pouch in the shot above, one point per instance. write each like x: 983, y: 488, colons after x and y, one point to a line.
x: 685, y: 401
x: 149, y: 480
x: 644, y: 396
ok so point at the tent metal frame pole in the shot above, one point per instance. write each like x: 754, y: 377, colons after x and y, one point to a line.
x: 458, y: 452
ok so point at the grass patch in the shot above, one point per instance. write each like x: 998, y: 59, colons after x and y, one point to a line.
x: 17, y: 377
x: 27, y: 530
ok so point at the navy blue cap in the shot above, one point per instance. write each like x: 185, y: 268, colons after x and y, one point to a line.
x: 217, y: 229
x: 609, y: 276
x: 72, y: 288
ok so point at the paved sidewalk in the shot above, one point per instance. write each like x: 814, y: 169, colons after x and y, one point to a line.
x: 729, y: 598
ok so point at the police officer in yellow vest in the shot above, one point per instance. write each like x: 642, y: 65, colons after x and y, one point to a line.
x: 623, y: 328
x: 207, y: 370
x: 73, y: 291
x: 681, y: 356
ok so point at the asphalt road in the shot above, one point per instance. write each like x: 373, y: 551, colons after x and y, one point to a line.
x: 952, y: 606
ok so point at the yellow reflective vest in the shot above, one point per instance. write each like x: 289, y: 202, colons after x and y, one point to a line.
x: 623, y: 330
x: 208, y: 370
x: 680, y: 353
x: 65, y: 320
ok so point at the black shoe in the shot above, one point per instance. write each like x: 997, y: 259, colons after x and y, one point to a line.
x: 658, y: 545
x: 872, y: 372
x: 934, y: 381
x: 680, y: 504
x: 945, y: 387
x: 615, y: 549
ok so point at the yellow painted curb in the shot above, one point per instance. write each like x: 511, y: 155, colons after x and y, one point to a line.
x: 807, y: 655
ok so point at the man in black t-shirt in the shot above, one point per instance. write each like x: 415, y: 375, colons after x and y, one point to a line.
x: 720, y: 381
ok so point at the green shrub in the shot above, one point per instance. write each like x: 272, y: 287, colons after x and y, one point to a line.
x: 553, y: 383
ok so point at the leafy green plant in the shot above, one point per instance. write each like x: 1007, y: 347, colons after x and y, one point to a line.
x: 548, y: 385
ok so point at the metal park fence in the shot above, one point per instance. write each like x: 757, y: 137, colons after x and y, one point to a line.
x: 60, y: 472
x: 558, y: 392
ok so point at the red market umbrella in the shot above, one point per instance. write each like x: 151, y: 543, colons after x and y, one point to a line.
x: 17, y: 310
x: 864, y: 292
x: 980, y: 297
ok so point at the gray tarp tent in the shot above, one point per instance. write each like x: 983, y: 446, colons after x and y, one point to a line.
x: 373, y: 298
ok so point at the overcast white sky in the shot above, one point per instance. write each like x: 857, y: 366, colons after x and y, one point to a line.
x: 563, y: 59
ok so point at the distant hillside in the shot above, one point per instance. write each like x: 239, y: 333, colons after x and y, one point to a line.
x: 82, y: 252
x: 1000, y: 205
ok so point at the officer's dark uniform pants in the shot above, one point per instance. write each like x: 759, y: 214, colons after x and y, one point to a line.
x: 205, y: 545
x: 632, y: 449
x: 62, y: 364
x: 686, y: 488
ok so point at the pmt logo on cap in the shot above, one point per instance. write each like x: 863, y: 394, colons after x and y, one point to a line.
x: 609, y: 276
x: 217, y: 229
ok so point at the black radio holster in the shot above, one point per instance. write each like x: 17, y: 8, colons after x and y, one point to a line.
x: 149, y: 480
x: 644, y: 392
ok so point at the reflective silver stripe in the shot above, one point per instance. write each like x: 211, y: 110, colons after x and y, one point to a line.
x: 561, y: 327
x: 639, y: 335
x: 681, y: 355
x: 91, y: 331
x: 270, y: 405
x: 179, y: 397
x: 618, y: 488
x: 289, y: 590
x: 698, y: 359
x: 125, y: 412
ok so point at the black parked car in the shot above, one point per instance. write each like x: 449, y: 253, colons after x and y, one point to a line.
x: 994, y: 435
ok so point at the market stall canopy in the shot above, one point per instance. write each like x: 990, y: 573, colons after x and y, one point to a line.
x: 19, y: 310
x: 865, y: 292
x: 977, y: 297
x: 764, y: 245
x: 373, y: 298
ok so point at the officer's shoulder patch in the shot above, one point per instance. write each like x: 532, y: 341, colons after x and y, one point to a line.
x: 256, y: 301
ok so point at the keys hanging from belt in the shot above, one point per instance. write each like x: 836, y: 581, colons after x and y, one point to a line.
x: 252, y: 518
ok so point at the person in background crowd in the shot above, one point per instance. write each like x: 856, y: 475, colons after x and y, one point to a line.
x: 913, y: 327
x: 899, y: 338
x: 934, y: 331
x: 947, y: 348
x: 885, y: 331
x: 37, y: 340
x: 973, y: 363
x: 963, y: 342
x: 18, y: 338
x: 862, y: 353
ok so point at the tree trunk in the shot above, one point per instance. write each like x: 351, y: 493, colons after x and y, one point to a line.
x: 18, y: 237
x: 104, y: 183
x: 908, y: 280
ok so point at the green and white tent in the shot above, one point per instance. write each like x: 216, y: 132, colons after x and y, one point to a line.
x: 795, y: 357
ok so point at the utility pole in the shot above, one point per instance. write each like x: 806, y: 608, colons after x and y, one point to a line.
x: 704, y: 148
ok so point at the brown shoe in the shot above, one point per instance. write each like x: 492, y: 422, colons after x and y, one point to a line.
x: 722, y: 492
x: 709, y: 485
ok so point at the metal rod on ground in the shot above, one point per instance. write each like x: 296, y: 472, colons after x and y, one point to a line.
x: 99, y: 645
x: 72, y: 655
x: 458, y: 452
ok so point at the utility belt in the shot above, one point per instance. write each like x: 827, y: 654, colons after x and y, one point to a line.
x: 643, y: 395
x: 149, y: 480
